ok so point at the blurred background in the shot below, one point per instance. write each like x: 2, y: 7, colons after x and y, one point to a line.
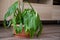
x: 47, y: 9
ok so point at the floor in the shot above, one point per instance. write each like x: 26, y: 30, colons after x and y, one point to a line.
x: 50, y: 32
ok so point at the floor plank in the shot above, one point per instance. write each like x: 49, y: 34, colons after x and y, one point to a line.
x: 50, y: 32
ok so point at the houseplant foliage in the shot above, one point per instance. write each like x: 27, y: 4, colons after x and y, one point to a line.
x: 28, y: 17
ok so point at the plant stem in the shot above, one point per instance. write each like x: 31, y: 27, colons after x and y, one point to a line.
x: 21, y: 5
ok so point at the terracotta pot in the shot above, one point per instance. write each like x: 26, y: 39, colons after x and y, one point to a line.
x: 22, y: 34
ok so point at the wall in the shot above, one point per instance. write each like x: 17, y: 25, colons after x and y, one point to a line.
x: 50, y: 2
x: 56, y: 12
x: 4, y: 5
x: 46, y: 11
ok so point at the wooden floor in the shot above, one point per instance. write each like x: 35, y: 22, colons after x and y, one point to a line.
x: 50, y: 32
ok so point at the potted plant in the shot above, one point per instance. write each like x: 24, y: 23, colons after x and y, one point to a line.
x: 25, y: 22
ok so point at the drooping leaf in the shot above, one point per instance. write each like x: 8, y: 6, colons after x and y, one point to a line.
x: 11, y: 10
x: 9, y: 23
x: 14, y: 23
x: 18, y: 17
x: 5, y: 23
x: 31, y: 21
x: 39, y: 28
x: 19, y: 28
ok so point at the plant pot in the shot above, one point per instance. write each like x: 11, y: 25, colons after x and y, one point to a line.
x: 23, y: 34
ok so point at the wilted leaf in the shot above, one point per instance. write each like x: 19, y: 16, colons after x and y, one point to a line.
x: 11, y: 10
x: 31, y: 21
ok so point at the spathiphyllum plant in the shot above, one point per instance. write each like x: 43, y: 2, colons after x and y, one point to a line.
x: 24, y: 21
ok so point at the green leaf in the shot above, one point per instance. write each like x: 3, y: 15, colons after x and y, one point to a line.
x: 18, y: 17
x: 9, y: 24
x: 31, y: 21
x: 14, y: 23
x: 19, y: 28
x: 39, y: 28
x: 5, y: 23
x: 11, y: 10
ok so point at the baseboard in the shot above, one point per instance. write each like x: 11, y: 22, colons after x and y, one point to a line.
x: 51, y: 22
x: 44, y: 22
